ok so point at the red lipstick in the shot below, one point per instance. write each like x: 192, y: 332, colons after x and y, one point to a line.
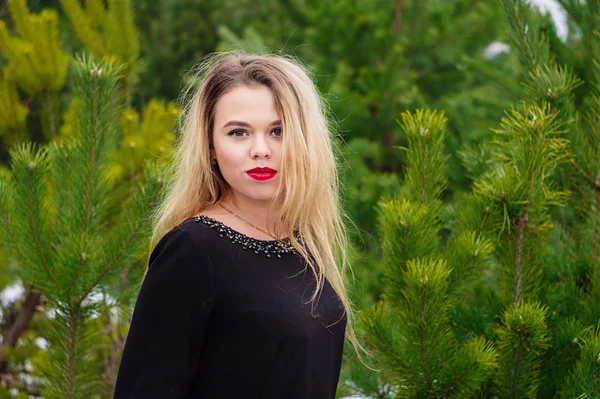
x: 262, y: 173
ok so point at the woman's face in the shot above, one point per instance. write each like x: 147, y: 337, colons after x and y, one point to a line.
x: 247, y: 135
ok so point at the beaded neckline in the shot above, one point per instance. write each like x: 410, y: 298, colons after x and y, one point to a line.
x: 268, y: 247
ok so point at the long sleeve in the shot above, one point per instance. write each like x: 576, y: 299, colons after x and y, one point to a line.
x: 171, y: 314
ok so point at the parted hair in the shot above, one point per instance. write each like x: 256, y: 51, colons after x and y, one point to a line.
x: 308, y: 196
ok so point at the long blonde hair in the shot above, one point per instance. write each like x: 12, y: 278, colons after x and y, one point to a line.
x: 307, y: 199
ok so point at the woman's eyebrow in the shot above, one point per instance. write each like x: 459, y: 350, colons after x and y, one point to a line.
x: 236, y: 123
x: 245, y: 124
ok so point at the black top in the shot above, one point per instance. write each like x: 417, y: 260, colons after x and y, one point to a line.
x: 223, y: 315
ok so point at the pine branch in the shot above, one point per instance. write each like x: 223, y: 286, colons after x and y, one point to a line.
x: 372, y: 320
x: 75, y: 275
x: 460, y: 377
x: 462, y: 272
x: 70, y: 358
x: 110, y: 264
x: 69, y: 193
x: 582, y: 172
x: 503, y: 84
x: 559, y: 354
x: 596, y: 250
x: 522, y: 339
x: 522, y: 226
x: 422, y: 342
x: 590, y: 57
x: 33, y: 227
x: 425, y: 175
x: 569, y: 11
x: 523, y: 36
x: 12, y: 236
x: 398, y: 17
x: 484, y: 219
x: 515, y: 379
x: 389, y: 349
x: 465, y: 329
x: 92, y: 161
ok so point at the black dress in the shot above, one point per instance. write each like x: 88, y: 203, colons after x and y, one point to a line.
x: 222, y: 315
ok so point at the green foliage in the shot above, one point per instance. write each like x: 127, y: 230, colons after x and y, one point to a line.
x: 554, y: 85
x: 174, y: 35
x: 363, y: 186
x: 410, y: 342
x: 531, y: 217
x: 518, y: 194
x: 60, y: 238
x: 36, y: 60
x: 411, y: 329
x: 12, y: 112
x: 151, y: 138
x: 22, y: 234
x: 73, y: 182
x: 407, y: 232
x: 107, y: 30
x: 477, y: 160
x: 563, y: 353
x: 530, y: 41
x: 425, y: 178
x: 583, y: 379
x: 36, y: 64
x: 505, y: 254
x: 467, y: 254
x: 250, y: 42
x: 522, y: 339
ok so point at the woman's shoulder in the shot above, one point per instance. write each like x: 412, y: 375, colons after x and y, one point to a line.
x: 193, y: 228
x: 181, y: 250
x: 188, y: 233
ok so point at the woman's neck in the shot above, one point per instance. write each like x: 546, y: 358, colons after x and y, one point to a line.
x: 255, y: 212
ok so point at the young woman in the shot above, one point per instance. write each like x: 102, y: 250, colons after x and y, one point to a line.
x: 244, y: 295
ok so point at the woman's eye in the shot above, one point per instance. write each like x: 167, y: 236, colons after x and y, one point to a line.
x: 277, y: 132
x: 237, y: 133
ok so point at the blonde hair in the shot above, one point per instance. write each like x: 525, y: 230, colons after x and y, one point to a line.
x: 307, y: 199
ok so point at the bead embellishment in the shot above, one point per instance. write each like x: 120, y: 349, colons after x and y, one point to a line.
x: 268, y: 247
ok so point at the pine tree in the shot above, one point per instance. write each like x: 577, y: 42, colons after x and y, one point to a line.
x: 411, y: 328
x: 54, y: 209
x: 36, y: 64
x: 107, y: 29
x: 139, y: 137
x: 514, y: 264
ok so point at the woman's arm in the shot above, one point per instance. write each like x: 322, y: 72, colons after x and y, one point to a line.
x: 171, y: 314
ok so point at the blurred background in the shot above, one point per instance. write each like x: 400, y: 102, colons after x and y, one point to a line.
x: 371, y: 60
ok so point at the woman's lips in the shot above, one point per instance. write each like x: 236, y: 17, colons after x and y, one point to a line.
x: 261, y: 175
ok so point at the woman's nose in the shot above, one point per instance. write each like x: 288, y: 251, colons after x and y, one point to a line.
x: 260, y: 147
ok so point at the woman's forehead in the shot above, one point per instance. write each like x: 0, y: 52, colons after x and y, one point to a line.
x: 249, y: 104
